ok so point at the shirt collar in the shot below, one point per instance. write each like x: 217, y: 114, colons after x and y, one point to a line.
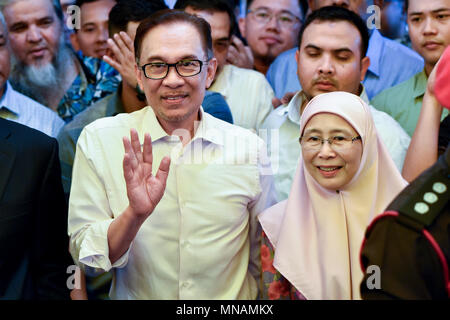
x: 8, y: 100
x: 293, y: 108
x: 374, y: 52
x: 206, y: 130
x: 420, y: 84
x: 364, y: 95
x: 151, y: 125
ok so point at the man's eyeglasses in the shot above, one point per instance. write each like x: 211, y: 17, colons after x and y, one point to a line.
x: 185, y: 68
x: 285, y: 19
x: 337, y: 143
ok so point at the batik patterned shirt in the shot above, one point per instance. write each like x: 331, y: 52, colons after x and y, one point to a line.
x: 96, y: 80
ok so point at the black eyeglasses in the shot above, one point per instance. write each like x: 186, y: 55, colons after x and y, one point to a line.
x: 185, y: 68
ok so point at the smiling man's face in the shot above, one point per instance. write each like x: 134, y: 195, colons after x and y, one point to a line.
x: 175, y: 99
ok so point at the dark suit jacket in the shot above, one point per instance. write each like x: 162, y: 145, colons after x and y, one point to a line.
x: 33, y: 216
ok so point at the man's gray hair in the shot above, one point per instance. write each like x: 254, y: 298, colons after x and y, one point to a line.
x: 56, y: 6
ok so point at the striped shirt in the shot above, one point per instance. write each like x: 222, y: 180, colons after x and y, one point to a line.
x: 16, y: 107
x: 247, y: 93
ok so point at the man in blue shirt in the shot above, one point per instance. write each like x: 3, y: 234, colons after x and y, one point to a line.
x: 390, y: 62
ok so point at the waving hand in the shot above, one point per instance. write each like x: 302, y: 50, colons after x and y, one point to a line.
x: 144, y: 190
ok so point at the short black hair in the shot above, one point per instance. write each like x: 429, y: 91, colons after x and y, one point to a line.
x: 168, y: 17
x: 210, y: 5
x: 301, y: 5
x: 334, y: 13
x: 79, y: 3
x: 131, y: 11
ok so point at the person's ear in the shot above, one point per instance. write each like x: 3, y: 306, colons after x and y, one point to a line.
x: 242, y: 24
x: 297, y: 59
x: 211, y: 72
x: 365, y: 64
x: 139, y: 75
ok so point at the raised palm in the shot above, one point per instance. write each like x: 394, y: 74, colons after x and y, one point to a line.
x: 144, y: 190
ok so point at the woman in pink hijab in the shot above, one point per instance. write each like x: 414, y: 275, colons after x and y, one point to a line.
x: 345, y: 177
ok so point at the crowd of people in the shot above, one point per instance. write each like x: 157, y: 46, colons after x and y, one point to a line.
x: 220, y: 149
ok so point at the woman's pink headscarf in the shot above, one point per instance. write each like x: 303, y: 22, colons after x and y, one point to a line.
x: 317, y: 233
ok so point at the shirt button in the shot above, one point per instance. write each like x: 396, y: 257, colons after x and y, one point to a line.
x: 430, y: 197
x: 421, y: 208
x: 439, y: 187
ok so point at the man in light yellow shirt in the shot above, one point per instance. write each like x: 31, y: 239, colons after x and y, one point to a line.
x: 187, y: 230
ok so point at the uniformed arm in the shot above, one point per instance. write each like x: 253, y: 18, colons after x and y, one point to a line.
x: 409, y: 268
x: 423, y: 150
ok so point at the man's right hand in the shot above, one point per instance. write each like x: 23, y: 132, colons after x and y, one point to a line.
x: 240, y: 55
x: 121, y: 57
x: 144, y: 190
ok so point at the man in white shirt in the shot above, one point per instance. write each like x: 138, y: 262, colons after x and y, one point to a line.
x: 189, y: 229
x: 15, y: 106
x: 246, y: 91
x: 331, y: 57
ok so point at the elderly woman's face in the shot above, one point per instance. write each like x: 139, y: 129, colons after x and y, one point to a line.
x: 331, y: 165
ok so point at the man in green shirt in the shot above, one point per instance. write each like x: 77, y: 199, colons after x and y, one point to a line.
x: 429, y: 29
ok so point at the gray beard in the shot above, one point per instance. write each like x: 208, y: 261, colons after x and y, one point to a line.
x: 43, y: 81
